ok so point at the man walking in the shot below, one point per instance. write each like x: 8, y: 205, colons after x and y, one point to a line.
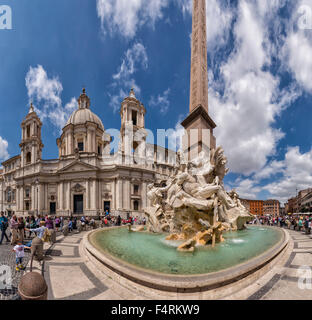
x: 37, y: 243
x: 14, y: 229
x: 3, y: 226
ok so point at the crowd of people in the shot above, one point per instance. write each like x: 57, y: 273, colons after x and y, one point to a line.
x: 31, y: 232
x: 293, y: 222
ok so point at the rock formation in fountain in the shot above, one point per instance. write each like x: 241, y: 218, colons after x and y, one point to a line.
x: 194, y: 206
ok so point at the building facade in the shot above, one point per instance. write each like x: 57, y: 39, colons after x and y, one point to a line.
x: 85, y: 178
x: 254, y: 206
x: 271, y: 207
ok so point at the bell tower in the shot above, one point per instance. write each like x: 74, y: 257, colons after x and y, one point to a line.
x: 31, y: 144
x: 133, y: 133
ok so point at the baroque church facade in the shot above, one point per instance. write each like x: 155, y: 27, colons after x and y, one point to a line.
x: 86, y: 178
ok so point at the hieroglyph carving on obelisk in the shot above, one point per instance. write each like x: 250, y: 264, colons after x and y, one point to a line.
x: 199, y: 73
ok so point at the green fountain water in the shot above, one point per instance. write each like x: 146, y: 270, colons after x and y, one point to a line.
x: 152, y: 252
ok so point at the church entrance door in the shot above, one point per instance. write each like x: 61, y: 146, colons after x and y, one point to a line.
x: 52, y: 207
x: 107, y: 206
x: 78, y: 203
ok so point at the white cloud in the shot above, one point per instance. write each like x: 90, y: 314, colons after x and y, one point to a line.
x: 246, y: 110
x: 127, y: 16
x: 60, y: 116
x: 46, y: 93
x: 175, y: 136
x: 298, y: 54
x: 270, y: 170
x: 297, y: 174
x: 246, y: 189
x: 4, y: 154
x: 135, y: 58
x: 42, y: 88
x: 219, y: 19
x: 161, y: 101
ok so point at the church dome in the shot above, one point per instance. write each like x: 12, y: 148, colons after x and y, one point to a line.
x: 83, y: 114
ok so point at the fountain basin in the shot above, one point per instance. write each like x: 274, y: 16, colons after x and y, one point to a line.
x: 173, y: 271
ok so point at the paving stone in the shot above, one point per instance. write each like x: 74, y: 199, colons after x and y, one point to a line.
x: 302, y: 259
x: 68, y: 280
x: 107, y: 295
x: 65, y: 250
x: 288, y: 290
x: 7, y: 258
x: 305, y: 244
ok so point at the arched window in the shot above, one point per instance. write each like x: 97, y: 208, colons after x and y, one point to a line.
x: 28, y: 131
x: 9, y: 195
x: 100, y: 149
x: 28, y: 157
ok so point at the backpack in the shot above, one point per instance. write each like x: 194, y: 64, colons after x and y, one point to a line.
x: 4, y: 223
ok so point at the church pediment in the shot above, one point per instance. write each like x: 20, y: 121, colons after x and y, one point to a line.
x: 77, y: 166
x: 78, y: 188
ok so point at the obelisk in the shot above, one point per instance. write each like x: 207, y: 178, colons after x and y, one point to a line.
x: 198, y: 124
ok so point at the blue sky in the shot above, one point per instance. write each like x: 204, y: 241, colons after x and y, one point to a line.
x: 260, y: 83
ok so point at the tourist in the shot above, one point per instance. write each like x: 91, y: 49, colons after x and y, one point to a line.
x: 19, y: 255
x: 32, y: 225
x: 92, y: 223
x: 21, y: 229
x: 306, y: 226
x: 3, y: 227
x: 70, y: 225
x: 37, y: 242
x: 118, y: 223
x: 14, y: 229
x: 49, y: 223
x: 74, y: 220
x: 300, y: 224
x: 310, y: 224
x: 57, y: 223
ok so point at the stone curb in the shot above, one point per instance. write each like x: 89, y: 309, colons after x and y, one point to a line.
x: 180, y: 283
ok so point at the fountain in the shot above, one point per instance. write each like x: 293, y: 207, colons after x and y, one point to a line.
x: 194, y: 207
x: 196, y: 239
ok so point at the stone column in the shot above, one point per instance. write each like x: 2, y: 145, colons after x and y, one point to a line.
x: 89, y: 137
x: 21, y: 198
x: 87, y: 195
x: 93, y: 142
x: 68, y: 196
x: 61, y: 199
x: 46, y: 197
x: 17, y: 195
x: 39, y: 195
x: 99, y: 196
x: 126, y: 194
x: 119, y: 194
x: 33, y: 155
x: 93, y: 195
x: 33, y: 199
x: 113, y: 188
x: 143, y: 195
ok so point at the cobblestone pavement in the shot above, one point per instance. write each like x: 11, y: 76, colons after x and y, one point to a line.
x: 70, y: 276
x: 286, y: 284
x: 83, y: 280
x: 7, y: 258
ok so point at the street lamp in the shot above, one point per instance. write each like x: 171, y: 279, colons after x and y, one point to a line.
x: 37, y: 183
